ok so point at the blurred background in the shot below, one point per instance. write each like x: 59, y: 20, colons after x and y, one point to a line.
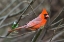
x: 11, y: 10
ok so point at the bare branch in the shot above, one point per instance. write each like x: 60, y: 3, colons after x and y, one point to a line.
x: 56, y: 15
x: 60, y: 40
x: 57, y: 22
x: 60, y: 26
x: 7, y: 7
x: 56, y: 36
x: 23, y: 37
x: 11, y: 12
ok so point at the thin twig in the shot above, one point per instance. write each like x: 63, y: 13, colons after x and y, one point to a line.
x: 7, y: 7
x: 36, y: 7
x: 23, y: 11
x: 56, y: 22
x: 23, y: 37
x: 60, y: 26
x: 33, y: 10
x: 59, y: 40
x: 56, y: 15
x: 14, y: 14
x: 57, y: 35
x: 54, y: 32
x: 60, y: 33
x: 11, y: 12
x: 7, y: 24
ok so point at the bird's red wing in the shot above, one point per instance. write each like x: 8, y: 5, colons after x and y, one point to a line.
x: 34, y: 22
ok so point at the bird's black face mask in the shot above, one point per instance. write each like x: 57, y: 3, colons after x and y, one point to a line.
x: 46, y: 16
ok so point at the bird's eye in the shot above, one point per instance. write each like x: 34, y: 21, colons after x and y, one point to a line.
x: 45, y: 15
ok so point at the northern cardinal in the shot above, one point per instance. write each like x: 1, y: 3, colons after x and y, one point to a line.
x: 37, y: 22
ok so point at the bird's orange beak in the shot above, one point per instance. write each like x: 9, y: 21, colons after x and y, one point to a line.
x: 47, y: 15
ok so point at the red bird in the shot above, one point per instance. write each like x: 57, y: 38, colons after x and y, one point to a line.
x: 37, y: 22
